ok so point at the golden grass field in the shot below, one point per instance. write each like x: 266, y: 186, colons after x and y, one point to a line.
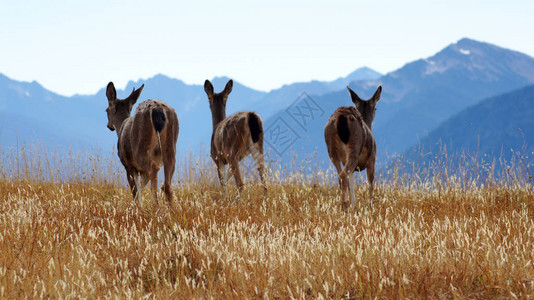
x: 85, y: 238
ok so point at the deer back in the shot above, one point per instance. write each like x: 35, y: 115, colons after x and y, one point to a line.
x: 232, y: 137
x: 138, y: 139
x: 345, y: 132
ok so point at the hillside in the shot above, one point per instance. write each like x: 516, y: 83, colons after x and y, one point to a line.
x: 492, y: 127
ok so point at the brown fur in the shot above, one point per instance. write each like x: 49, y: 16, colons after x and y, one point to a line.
x: 231, y: 140
x: 359, y: 153
x: 139, y: 147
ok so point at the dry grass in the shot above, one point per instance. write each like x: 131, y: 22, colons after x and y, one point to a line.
x: 87, y: 239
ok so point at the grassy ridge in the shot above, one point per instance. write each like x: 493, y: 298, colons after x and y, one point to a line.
x: 86, y: 238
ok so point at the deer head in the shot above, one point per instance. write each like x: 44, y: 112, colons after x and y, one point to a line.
x: 118, y: 110
x: 218, y: 101
x: 366, y: 107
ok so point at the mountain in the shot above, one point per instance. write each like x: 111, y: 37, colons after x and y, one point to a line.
x: 492, y: 128
x: 30, y: 114
x: 417, y: 97
x: 426, y: 92
x: 363, y: 73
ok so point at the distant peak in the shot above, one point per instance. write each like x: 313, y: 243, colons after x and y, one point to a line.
x: 160, y: 76
x: 363, y: 73
x: 467, y: 41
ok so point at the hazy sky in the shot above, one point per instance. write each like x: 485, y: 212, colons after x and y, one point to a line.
x: 77, y: 47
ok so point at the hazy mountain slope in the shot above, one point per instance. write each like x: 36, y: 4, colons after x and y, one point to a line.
x: 491, y: 127
x: 363, y: 73
x: 281, y: 98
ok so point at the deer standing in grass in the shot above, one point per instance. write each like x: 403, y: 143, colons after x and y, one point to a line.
x: 146, y: 141
x: 234, y: 138
x: 350, y: 142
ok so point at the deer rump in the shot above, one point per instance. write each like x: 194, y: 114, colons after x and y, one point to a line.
x: 234, y: 136
x: 139, y: 134
x: 354, y: 133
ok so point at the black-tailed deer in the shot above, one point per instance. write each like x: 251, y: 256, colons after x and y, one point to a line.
x: 146, y: 141
x: 350, y: 142
x: 234, y: 138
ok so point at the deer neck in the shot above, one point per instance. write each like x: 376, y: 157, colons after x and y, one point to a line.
x: 117, y: 123
x: 368, y: 121
x: 217, y: 115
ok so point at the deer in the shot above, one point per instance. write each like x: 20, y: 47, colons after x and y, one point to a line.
x: 350, y: 142
x: 234, y: 138
x: 146, y: 140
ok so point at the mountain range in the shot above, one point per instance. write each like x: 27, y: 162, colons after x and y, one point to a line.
x: 418, y: 101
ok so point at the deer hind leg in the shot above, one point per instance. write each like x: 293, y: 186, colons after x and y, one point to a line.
x: 337, y: 165
x: 139, y: 186
x: 370, y: 179
x: 347, y: 182
x: 168, y: 169
x: 352, y: 183
x: 222, y: 171
x: 259, y: 158
x: 153, y: 177
x: 132, y: 181
x: 346, y: 178
x: 234, y: 168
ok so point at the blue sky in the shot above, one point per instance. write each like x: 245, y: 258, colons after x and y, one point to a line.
x: 77, y: 47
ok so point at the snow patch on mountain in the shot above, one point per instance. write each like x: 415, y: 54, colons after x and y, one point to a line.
x: 465, y: 51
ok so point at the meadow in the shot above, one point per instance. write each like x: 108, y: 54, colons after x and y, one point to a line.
x: 70, y: 229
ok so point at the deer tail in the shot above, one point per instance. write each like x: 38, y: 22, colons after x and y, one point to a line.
x: 158, y: 120
x: 255, y: 126
x: 343, y: 129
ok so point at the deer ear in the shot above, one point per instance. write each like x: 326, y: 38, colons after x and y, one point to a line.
x: 355, y: 98
x: 228, y: 87
x: 135, y: 95
x: 377, y: 94
x: 208, y: 88
x: 111, y: 93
